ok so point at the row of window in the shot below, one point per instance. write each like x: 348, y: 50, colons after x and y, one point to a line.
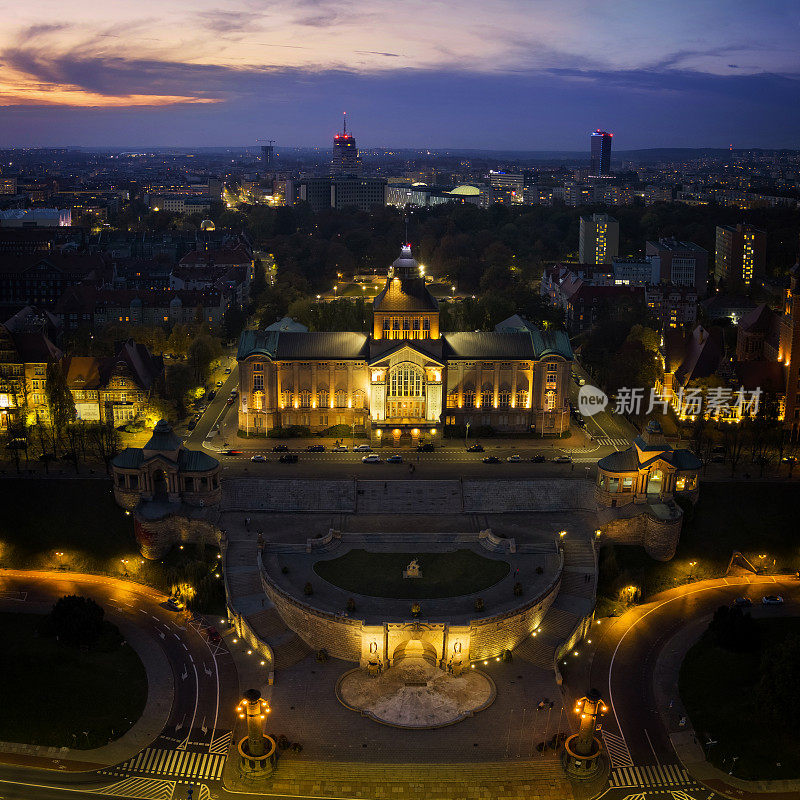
x: 487, y: 399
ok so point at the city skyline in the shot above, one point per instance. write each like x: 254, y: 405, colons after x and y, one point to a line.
x: 411, y: 76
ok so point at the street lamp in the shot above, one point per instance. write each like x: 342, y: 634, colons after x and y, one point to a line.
x: 582, y: 750
x: 692, y: 565
x: 256, y: 750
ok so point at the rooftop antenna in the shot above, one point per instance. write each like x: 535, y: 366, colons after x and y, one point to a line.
x: 406, y: 221
x: 344, y: 123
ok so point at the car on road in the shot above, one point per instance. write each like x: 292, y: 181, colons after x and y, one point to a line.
x: 475, y: 448
x: 218, y: 384
x: 579, y: 420
x: 280, y: 448
x: 288, y: 458
x: 315, y: 448
x: 233, y: 452
x: 231, y: 400
x: 772, y: 600
x: 742, y: 602
x: 212, y: 634
x: 175, y: 603
x: 562, y: 460
x: 425, y: 447
x: 193, y: 422
x: 514, y: 459
x: 372, y: 458
x: 211, y: 395
x: 395, y: 459
x: 491, y: 460
x: 258, y: 458
x: 339, y: 448
x: 540, y: 459
x: 227, y: 370
x: 362, y: 448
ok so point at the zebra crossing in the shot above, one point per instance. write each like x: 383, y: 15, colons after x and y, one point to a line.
x: 617, y: 750
x: 662, y: 775
x: 180, y: 763
x: 606, y: 440
x: 145, y: 788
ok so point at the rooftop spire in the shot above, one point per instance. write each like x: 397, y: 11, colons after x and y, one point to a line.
x: 344, y: 123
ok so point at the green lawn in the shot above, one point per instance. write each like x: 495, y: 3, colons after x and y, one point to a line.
x: 79, y: 519
x: 716, y: 686
x: 754, y: 518
x: 49, y: 692
x: 443, y: 574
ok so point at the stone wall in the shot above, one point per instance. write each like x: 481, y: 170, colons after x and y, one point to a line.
x: 658, y: 537
x: 155, y: 536
x: 408, y: 496
x: 343, y: 637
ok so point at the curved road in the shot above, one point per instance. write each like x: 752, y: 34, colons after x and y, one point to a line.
x: 191, y: 747
x: 624, y: 666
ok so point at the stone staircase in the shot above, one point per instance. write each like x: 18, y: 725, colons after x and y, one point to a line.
x: 404, y: 497
x: 249, y: 602
x: 262, y: 494
x: 575, y: 601
x: 494, y: 496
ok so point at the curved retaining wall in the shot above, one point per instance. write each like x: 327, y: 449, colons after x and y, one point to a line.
x: 343, y: 637
x: 658, y: 537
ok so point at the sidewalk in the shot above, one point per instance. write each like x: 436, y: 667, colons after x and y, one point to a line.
x: 160, y: 690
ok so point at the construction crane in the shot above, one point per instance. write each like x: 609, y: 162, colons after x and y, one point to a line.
x: 267, y: 151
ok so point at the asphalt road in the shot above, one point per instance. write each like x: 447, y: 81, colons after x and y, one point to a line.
x: 623, y: 669
x: 206, y: 691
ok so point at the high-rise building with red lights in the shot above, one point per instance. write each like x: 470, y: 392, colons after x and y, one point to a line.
x: 345, y: 153
x: 601, y: 154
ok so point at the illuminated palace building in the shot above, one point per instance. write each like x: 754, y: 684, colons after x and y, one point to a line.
x: 407, y: 380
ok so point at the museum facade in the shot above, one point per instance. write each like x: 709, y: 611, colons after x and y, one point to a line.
x: 406, y: 381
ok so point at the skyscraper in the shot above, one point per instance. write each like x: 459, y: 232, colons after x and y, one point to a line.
x: 601, y: 154
x: 345, y: 153
x: 599, y: 239
x: 741, y: 254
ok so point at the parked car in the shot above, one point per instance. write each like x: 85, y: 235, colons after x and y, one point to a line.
x: 193, y: 423
x: 475, y: 448
x: 742, y: 602
x: 425, y: 447
x: 280, y: 448
x: 540, y: 459
x: 339, y: 448
x: 233, y: 452
x: 315, y: 448
x: 372, y: 458
x: 395, y: 459
x: 231, y: 400
x: 175, y: 603
x: 218, y: 384
x: 211, y: 395
x: 514, y: 459
x: 259, y: 458
x: 362, y: 448
x: 562, y: 460
x: 772, y: 600
x: 491, y: 460
x: 288, y: 458
x: 227, y: 370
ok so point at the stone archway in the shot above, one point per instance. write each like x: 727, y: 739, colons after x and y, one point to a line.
x: 160, y: 485
x: 415, y: 648
x: 655, y: 482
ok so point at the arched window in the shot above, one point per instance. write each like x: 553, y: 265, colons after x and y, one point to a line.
x: 452, y: 400
x: 305, y: 399
x: 322, y: 398
x: 522, y: 398
x: 550, y: 401
x: 504, y: 399
x: 486, y: 398
x: 341, y: 399
x: 405, y: 380
x: 258, y: 401
x: 286, y: 398
x: 358, y: 399
x: 469, y: 398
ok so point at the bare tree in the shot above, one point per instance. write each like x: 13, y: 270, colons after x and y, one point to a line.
x: 105, y: 442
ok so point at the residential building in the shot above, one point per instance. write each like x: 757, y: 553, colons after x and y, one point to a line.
x: 599, y: 239
x: 673, y: 306
x: 342, y: 192
x: 680, y: 263
x: 741, y: 256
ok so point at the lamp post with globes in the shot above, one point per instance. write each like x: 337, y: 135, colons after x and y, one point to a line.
x: 582, y: 751
x: 256, y: 749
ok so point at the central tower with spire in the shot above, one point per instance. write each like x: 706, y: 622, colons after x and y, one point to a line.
x: 405, y: 309
x: 346, y: 162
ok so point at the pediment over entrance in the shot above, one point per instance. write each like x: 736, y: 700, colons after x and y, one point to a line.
x: 422, y: 353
